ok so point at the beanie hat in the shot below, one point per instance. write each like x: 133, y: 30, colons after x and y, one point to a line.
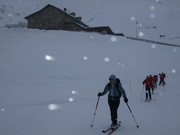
x: 112, y: 77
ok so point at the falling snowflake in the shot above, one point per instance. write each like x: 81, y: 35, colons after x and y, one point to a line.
x: 53, y: 107
x: 121, y: 64
x: 113, y: 39
x: 85, y: 58
x: 74, y: 92
x: 152, y: 7
x: 141, y: 34
x: 106, y: 59
x: 153, y: 46
x: 71, y: 99
x: 92, y: 37
x: 132, y: 18
x: 2, y: 110
x: 173, y: 71
x: 10, y: 14
x: 49, y: 58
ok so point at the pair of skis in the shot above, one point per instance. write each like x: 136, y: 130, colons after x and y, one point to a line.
x: 147, y: 100
x: 110, y: 130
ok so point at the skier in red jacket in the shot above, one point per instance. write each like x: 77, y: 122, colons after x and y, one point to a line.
x: 162, y: 76
x: 148, y: 85
x: 152, y: 83
x: 155, y: 80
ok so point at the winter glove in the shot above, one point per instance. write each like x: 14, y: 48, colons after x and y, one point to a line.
x: 99, y: 94
x: 125, y: 100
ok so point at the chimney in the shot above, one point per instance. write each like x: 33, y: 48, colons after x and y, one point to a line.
x: 73, y: 14
x: 65, y: 10
x: 79, y: 18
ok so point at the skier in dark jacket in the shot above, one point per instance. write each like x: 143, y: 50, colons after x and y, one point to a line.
x: 115, y: 90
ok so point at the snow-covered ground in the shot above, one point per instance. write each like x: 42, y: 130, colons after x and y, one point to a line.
x: 50, y: 79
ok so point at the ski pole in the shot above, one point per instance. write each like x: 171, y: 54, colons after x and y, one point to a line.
x: 164, y: 87
x: 95, y: 112
x: 130, y: 86
x: 142, y: 92
x: 156, y: 90
x: 154, y: 96
x: 132, y: 115
x: 153, y: 92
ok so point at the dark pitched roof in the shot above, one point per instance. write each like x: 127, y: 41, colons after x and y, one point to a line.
x: 49, y: 5
x: 104, y: 30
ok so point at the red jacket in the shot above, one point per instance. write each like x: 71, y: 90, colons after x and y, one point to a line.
x: 147, y: 82
x: 155, y: 78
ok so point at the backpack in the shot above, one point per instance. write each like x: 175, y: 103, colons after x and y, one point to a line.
x: 164, y: 75
x: 148, y: 82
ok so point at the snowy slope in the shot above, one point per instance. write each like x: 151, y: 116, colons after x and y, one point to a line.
x: 57, y: 94
x: 50, y: 79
